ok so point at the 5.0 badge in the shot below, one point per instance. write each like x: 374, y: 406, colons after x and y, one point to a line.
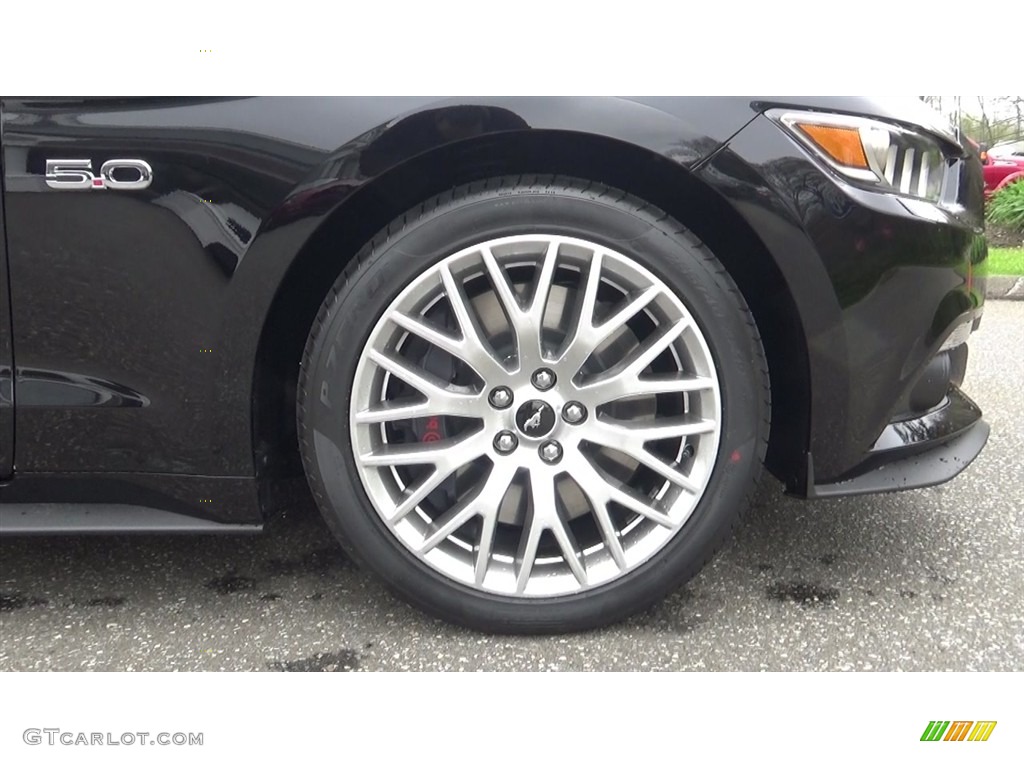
x: 114, y: 174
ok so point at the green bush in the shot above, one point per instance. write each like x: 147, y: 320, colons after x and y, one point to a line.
x: 1007, y: 207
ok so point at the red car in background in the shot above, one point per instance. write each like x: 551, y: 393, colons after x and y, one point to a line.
x: 1001, y: 170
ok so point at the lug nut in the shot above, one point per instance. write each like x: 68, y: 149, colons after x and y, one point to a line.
x: 505, y: 442
x: 551, y: 452
x: 543, y: 378
x: 574, y: 413
x: 500, y: 397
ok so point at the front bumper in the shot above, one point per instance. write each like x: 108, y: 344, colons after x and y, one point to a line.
x: 881, y: 284
x: 927, y: 450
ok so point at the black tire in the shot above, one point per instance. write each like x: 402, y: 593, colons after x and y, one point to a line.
x: 509, y: 206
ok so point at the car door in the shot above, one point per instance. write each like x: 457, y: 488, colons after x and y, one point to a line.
x: 126, y: 219
x: 6, y: 358
x: 135, y: 283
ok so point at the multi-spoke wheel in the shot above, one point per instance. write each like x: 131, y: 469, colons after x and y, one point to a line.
x: 515, y: 406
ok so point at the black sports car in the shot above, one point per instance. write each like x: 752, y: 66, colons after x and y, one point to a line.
x: 529, y: 354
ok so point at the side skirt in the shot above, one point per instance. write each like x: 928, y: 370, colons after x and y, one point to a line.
x: 128, y: 501
x: 50, y: 519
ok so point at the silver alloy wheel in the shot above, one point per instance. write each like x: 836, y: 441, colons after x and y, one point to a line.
x: 560, y: 322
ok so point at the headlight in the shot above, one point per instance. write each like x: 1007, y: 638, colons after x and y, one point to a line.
x: 883, y: 155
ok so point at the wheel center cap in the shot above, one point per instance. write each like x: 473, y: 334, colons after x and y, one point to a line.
x: 535, y: 418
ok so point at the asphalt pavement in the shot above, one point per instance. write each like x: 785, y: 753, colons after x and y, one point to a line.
x: 922, y: 580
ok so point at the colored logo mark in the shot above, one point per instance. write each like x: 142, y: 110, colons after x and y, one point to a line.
x: 958, y: 730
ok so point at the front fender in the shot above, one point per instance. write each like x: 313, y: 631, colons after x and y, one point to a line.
x: 685, y: 130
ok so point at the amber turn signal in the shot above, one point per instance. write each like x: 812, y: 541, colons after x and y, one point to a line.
x: 843, y: 145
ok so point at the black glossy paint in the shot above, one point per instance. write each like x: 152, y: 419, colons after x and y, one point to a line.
x: 140, y: 319
x: 133, y: 288
x: 878, y: 287
x: 6, y: 359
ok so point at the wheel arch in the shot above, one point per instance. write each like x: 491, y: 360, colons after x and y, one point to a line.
x: 639, y: 171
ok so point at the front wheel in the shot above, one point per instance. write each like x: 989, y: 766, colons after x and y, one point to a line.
x: 533, y: 405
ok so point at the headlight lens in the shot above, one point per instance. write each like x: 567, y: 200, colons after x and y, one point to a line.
x: 881, y: 154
